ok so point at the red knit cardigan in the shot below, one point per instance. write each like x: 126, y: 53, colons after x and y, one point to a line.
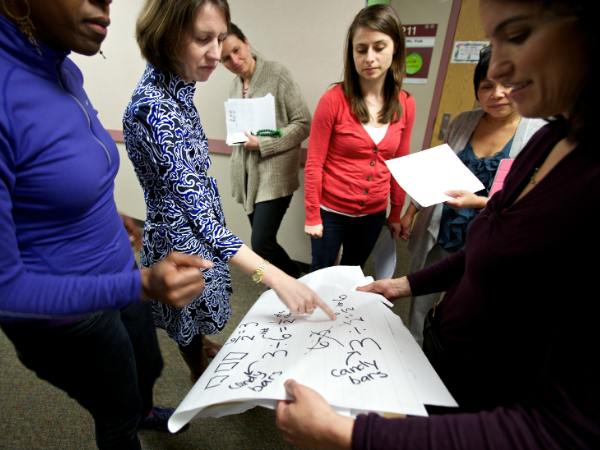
x: 345, y: 170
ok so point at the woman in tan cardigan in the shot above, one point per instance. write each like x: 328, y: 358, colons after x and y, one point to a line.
x: 264, y: 171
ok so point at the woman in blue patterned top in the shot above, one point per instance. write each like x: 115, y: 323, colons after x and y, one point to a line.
x: 169, y: 150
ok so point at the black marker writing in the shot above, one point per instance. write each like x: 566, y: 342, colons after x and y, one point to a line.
x: 362, y: 343
x: 362, y: 365
x: 323, y: 341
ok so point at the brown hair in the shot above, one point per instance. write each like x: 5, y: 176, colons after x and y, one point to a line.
x: 384, y: 19
x: 235, y: 30
x: 164, y: 26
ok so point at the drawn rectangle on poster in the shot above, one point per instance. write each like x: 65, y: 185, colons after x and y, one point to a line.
x: 225, y: 367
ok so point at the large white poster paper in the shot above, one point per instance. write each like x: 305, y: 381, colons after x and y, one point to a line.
x: 426, y: 175
x: 354, y: 362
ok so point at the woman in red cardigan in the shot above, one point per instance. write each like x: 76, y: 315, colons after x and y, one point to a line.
x: 358, y: 125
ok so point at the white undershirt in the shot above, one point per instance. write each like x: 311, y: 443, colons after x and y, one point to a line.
x: 377, y: 134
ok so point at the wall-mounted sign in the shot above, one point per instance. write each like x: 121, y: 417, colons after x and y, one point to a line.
x: 419, y: 48
x: 467, y: 52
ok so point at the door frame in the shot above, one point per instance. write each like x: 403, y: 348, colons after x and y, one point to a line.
x: 444, y: 61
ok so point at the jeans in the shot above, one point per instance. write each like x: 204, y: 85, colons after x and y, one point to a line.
x: 265, y: 222
x: 107, y: 361
x: 358, y: 234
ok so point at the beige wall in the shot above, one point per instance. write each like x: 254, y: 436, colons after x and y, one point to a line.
x: 424, y: 12
x: 306, y: 36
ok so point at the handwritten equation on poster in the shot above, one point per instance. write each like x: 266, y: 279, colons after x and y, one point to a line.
x: 352, y: 361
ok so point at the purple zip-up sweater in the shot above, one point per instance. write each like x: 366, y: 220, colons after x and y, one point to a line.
x: 63, y: 248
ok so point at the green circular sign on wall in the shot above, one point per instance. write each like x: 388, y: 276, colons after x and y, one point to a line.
x: 414, y: 63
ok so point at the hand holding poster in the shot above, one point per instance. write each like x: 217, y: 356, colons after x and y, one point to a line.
x: 354, y: 362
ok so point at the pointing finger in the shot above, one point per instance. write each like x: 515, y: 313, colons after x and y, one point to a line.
x: 320, y: 303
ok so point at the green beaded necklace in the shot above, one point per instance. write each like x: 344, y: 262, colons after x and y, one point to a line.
x: 268, y: 133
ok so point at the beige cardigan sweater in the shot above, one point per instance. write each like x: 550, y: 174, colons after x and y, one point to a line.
x: 271, y: 172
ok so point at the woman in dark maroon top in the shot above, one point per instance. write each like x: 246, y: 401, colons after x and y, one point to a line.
x: 515, y: 338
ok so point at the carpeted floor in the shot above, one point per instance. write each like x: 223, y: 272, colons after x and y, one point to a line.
x: 35, y: 415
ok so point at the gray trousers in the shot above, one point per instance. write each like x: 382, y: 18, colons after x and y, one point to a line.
x: 420, y: 306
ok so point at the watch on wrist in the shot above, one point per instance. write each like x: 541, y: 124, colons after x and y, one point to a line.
x: 258, y: 273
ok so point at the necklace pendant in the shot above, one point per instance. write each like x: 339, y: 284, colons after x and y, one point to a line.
x: 532, y: 179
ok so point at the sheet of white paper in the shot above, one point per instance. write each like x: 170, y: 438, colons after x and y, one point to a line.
x: 384, y: 257
x: 250, y: 114
x: 426, y: 175
x: 428, y: 385
x: 236, y: 138
x: 353, y: 361
x: 345, y: 277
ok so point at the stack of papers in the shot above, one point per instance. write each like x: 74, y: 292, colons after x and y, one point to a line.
x: 249, y: 114
x: 366, y: 360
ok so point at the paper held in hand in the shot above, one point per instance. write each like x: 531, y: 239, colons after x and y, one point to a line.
x: 426, y: 175
x: 248, y: 114
x: 366, y: 360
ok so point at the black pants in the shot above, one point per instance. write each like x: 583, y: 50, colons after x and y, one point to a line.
x: 107, y: 361
x: 434, y: 350
x: 358, y: 234
x: 265, y: 221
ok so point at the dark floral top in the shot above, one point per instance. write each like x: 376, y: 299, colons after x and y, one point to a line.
x: 169, y: 150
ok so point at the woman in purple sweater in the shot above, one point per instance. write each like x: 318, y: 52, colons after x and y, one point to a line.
x: 71, y: 299
x: 515, y: 338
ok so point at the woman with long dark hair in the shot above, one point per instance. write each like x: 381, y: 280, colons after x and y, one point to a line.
x: 358, y: 125
x: 515, y: 338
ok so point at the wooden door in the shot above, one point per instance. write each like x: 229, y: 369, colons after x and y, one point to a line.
x: 458, y: 93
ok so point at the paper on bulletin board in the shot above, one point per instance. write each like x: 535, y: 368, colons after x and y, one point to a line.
x: 358, y: 362
x: 426, y: 175
x: 467, y: 52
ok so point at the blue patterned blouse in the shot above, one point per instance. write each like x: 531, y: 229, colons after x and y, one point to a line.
x: 169, y: 150
x: 455, y: 223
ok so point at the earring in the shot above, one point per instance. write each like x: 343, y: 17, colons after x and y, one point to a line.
x: 25, y: 24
